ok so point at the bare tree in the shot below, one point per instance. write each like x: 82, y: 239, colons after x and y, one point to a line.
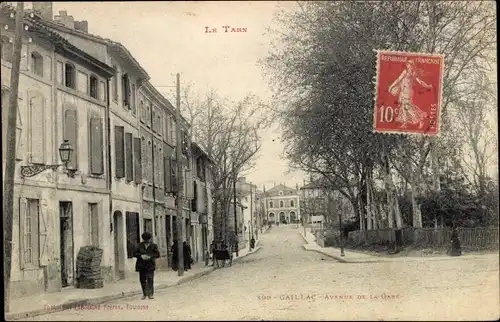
x: 324, y: 90
x: 229, y: 131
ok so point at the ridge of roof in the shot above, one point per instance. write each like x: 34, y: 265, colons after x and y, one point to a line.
x: 105, y: 41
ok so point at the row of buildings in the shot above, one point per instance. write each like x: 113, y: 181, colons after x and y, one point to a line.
x: 119, y: 180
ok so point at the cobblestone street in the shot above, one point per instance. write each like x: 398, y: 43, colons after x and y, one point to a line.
x: 283, y: 281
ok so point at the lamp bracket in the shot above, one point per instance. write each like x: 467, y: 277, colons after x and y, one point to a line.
x: 33, y: 170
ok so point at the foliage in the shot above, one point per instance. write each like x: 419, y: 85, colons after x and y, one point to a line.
x: 229, y: 132
x: 322, y: 70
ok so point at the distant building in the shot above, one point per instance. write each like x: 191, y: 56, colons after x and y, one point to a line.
x: 320, y: 204
x: 282, y: 204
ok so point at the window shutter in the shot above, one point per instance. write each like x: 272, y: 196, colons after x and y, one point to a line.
x: 43, y: 244
x: 137, y: 160
x: 71, y: 134
x: 129, y: 166
x: 166, y: 175
x: 96, y: 146
x: 173, y: 177
x: 37, y: 134
x: 119, y: 152
x: 23, y: 208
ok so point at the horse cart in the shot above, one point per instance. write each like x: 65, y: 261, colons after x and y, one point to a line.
x: 223, y: 254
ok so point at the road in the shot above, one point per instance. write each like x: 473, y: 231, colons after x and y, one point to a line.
x: 282, y: 281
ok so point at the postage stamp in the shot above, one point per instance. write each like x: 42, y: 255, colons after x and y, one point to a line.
x: 408, y: 93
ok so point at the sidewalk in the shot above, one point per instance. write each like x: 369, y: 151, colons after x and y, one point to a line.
x: 71, y: 297
x: 360, y: 257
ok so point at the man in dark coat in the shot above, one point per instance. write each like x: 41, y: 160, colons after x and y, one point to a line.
x: 187, y: 255
x: 147, y: 252
x: 175, y: 255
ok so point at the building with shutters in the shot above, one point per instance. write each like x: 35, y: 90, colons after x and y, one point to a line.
x: 123, y: 137
x: 201, y: 234
x: 159, y: 180
x: 62, y: 96
x: 282, y: 205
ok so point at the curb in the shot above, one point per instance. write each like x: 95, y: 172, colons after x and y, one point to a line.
x: 99, y: 300
x: 338, y: 258
x: 107, y: 298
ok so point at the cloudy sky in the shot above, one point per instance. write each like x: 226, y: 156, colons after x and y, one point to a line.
x: 170, y: 37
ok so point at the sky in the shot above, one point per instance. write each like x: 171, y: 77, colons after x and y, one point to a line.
x: 170, y: 37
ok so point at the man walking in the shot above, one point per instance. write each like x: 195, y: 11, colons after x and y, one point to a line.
x: 146, y: 254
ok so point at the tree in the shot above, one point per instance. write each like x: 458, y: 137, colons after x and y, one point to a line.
x: 229, y: 131
x: 324, y: 90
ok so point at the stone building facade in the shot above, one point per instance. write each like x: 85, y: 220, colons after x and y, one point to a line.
x: 62, y: 96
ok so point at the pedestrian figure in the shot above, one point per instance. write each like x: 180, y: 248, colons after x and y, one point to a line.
x: 187, y: 255
x: 146, y: 254
x: 175, y: 255
x: 456, y: 248
x: 212, y: 251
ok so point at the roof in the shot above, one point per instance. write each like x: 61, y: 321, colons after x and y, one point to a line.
x: 196, y: 146
x: 113, y: 45
x: 60, y: 43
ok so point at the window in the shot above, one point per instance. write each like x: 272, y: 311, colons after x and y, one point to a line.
x: 167, y: 175
x: 166, y: 130
x: 94, y: 83
x: 133, y: 235
x: 137, y: 161
x: 94, y: 224
x: 144, y: 155
x: 158, y: 125
x: 291, y: 203
x: 281, y: 203
x: 69, y: 75
x: 132, y: 103
x: 71, y: 134
x: 148, y: 116
x: 7, y: 49
x: 115, y: 84
x: 36, y: 132
x: 83, y: 82
x: 119, y: 152
x: 102, y: 91
x: 33, y: 232
x: 149, y: 162
x: 129, y: 157
x: 270, y: 204
x: 59, y: 73
x: 148, y: 225
x: 142, y: 111
x: 281, y: 193
x: 37, y: 63
x: 126, y: 91
x: 154, y: 121
x: 96, y: 146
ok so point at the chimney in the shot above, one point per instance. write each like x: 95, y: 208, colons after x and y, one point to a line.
x: 45, y: 9
x: 65, y: 20
x: 82, y: 26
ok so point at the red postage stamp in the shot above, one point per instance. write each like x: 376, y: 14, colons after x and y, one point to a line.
x: 408, y: 93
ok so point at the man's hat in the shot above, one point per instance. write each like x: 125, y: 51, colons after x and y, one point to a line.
x: 146, y: 236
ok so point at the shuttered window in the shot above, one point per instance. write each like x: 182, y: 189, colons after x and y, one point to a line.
x: 173, y: 176
x: 30, y: 234
x: 94, y: 224
x: 144, y: 159
x: 133, y: 235
x: 166, y: 175
x: 137, y: 160
x: 129, y: 154
x: 96, y: 146
x: 132, y: 99
x: 37, y: 129
x: 71, y: 134
x: 119, y: 152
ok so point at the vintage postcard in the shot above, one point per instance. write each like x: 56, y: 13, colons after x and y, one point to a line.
x: 250, y: 161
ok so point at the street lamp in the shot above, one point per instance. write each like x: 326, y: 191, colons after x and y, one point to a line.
x: 65, y: 151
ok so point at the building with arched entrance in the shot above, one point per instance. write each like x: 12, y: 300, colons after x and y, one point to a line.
x: 282, y: 205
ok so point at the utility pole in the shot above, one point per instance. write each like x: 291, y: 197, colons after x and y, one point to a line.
x: 180, y: 183
x: 10, y: 154
x: 234, y: 208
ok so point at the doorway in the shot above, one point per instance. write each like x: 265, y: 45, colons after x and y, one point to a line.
x: 66, y: 243
x: 119, y: 254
